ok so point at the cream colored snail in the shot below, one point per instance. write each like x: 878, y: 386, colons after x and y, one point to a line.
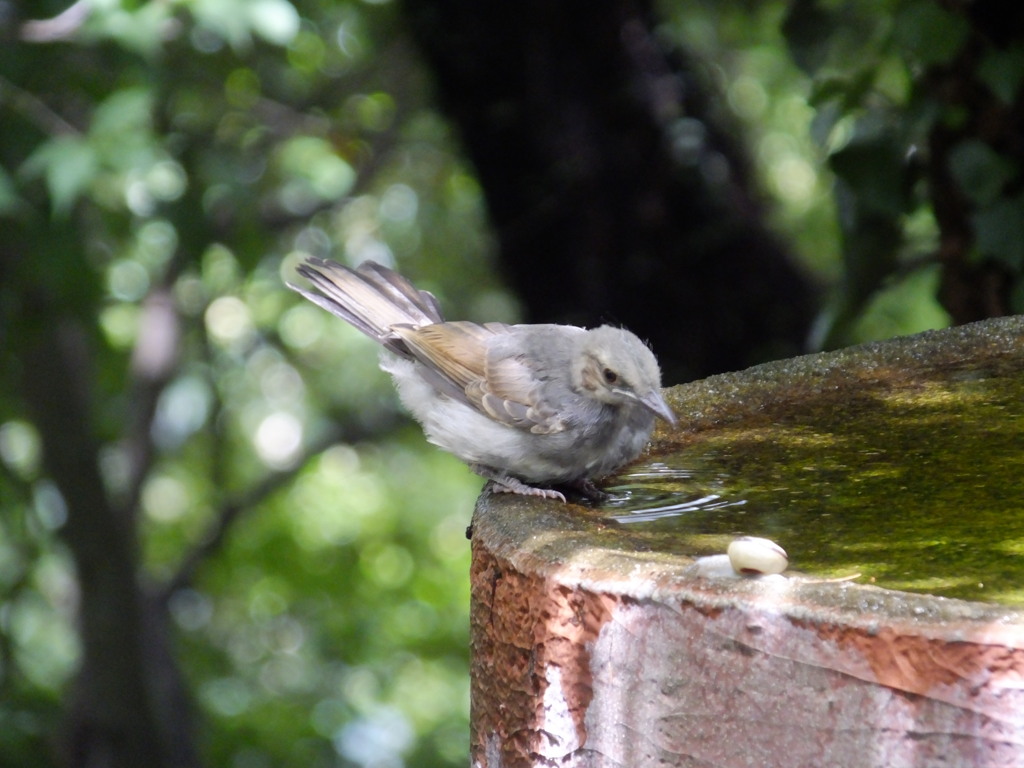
x: 753, y: 555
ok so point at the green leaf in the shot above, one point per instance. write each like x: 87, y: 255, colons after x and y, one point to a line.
x: 276, y: 21
x: 929, y: 33
x: 10, y: 200
x: 141, y: 29
x: 999, y: 232
x: 227, y: 19
x: 808, y: 29
x: 68, y: 165
x: 875, y: 172
x: 849, y: 91
x: 317, y: 163
x: 124, y: 112
x: 979, y: 170
x: 1003, y: 72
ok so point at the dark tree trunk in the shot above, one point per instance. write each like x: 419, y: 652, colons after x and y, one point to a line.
x: 616, y: 193
x: 128, y: 704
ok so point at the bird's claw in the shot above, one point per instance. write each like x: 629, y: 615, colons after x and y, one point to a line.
x: 589, y: 490
x: 512, y: 485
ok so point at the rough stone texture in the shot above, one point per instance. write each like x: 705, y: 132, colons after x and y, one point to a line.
x: 589, y: 652
x: 532, y: 638
x: 569, y: 669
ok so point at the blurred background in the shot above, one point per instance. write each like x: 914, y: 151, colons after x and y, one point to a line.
x: 221, y: 542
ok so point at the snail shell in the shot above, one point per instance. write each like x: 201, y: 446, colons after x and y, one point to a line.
x: 754, y: 555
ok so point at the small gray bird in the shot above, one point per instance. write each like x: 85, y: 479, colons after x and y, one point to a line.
x: 525, y: 406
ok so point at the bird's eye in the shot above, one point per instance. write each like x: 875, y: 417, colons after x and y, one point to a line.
x: 610, y: 376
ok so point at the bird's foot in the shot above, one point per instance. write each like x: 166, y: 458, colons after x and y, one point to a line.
x: 502, y: 483
x: 589, y: 490
x: 512, y: 485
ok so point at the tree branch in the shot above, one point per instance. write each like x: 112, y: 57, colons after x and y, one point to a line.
x: 36, y: 111
x: 153, y: 364
x: 63, y: 26
x: 234, y: 508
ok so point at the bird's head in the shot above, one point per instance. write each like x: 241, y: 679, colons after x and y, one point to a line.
x: 615, y: 367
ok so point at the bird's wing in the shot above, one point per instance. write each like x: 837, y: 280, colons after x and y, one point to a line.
x: 371, y: 297
x: 467, y: 361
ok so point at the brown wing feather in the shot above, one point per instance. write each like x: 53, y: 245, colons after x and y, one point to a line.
x: 458, y: 360
x: 456, y: 350
x: 511, y: 386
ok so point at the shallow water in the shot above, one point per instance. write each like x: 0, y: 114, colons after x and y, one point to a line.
x: 919, y: 488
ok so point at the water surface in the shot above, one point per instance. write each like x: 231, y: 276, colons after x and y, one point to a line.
x: 918, y: 488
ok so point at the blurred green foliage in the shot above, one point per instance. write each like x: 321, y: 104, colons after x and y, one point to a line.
x: 917, y: 104
x: 204, y: 147
x: 823, y: 91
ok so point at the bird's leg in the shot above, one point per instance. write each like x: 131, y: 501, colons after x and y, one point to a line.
x: 503, y: 483
x: 589, y: 490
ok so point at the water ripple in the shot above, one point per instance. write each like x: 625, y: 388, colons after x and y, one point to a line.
x: 646, y: 514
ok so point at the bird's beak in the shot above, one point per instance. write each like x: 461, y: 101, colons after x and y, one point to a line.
x: 655, y: 403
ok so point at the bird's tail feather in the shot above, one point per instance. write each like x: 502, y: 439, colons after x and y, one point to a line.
x: 371, y: 297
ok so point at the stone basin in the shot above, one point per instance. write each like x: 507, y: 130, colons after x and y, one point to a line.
x: 599, y: 642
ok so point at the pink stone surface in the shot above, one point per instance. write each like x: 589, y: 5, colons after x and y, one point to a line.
x: 570, y: 669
